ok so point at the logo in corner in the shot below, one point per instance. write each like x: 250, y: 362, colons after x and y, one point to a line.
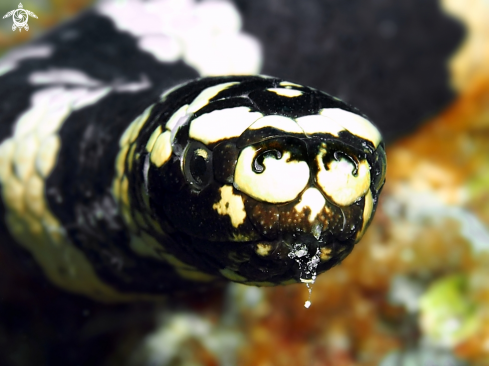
x: 20, y: 17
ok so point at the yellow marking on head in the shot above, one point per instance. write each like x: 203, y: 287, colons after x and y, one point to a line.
x: 339, y: 183
x: 162, y: 150
x: 281, y: 181
x: 222, y: 124
x: 288, y: 83
x: 231, y: 205
x: 289, y: 93
x: 354, y: 123
x: 279, y: 122
x: 325, y: 254
x: 47, y: 155
x: 206, y: 95
x: 231, y: 275
x: 263, y: 249
x: 319, y: 124
x: 151, y: 142
x: 180, y: 113
x: 312, y: 199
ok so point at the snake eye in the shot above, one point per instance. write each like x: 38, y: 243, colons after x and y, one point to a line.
x: 342, y: 176
x: 197, y: 165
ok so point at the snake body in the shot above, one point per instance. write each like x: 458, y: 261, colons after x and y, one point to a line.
x: 132, y: 180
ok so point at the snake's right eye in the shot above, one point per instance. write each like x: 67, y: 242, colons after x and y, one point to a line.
x: 197, y: 165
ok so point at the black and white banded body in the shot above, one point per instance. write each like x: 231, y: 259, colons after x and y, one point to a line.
x: 134, y: 179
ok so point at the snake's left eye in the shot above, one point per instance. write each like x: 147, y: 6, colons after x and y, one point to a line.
x: 197, y: 165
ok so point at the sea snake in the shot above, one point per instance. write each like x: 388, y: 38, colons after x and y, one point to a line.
x: 124, y: 177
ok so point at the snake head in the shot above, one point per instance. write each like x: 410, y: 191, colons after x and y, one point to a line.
x: 262, y: 181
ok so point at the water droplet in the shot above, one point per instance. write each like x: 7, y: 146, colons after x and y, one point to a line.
x: 307, y: 266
